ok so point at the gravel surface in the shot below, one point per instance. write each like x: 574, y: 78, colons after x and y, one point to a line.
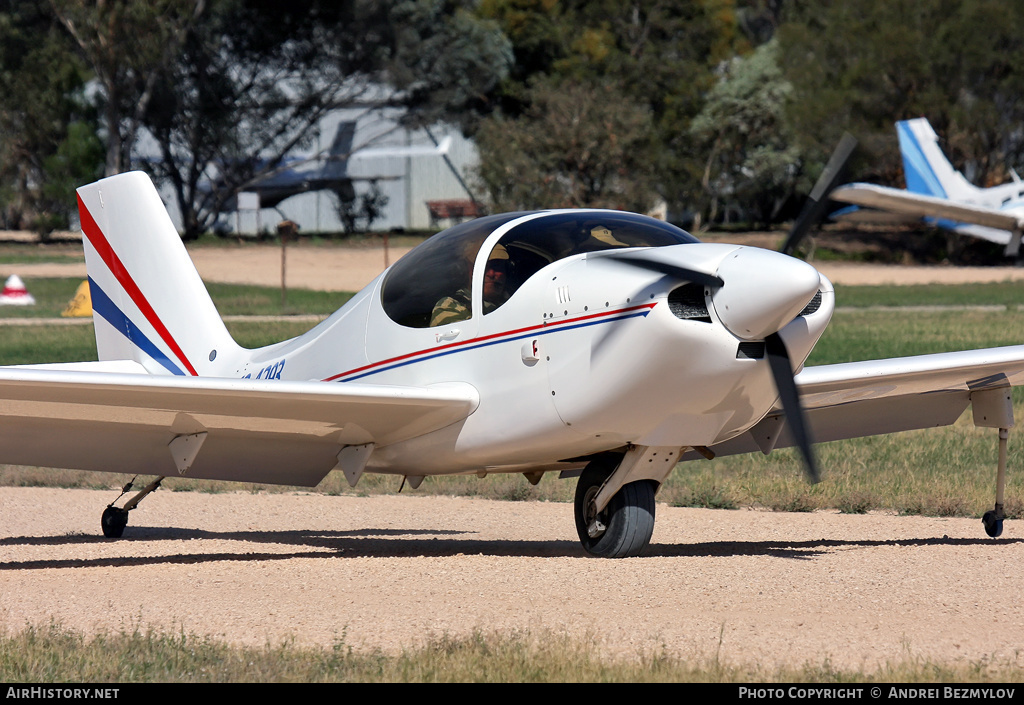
x: 392, y: 571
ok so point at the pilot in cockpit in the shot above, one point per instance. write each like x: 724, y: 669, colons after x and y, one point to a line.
x: 458, y: 306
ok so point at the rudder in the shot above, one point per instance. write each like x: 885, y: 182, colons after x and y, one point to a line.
x: 926, y: 169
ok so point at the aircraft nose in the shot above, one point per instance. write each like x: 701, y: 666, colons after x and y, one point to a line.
x: 763, y: 291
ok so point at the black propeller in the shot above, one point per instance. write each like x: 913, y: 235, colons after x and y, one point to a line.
x: 814, y: 207
x: 782, y: 371
x: 673, y: 270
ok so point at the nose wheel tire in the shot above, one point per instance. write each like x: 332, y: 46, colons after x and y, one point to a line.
x: 625, y: 526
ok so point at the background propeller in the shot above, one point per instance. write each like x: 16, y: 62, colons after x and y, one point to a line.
x: 817, y: 202
x: 782, y: 372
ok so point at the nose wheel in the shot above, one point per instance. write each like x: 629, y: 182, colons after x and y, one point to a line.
x: 624, y: 527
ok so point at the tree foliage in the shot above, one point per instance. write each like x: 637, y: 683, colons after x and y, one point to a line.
x: 127, y: 44
x: 572, y: 102
x: 656, y: 58
x: 860, y: 67
x: 576, y: 145
x: 48, y: 142
x: 752, y: 157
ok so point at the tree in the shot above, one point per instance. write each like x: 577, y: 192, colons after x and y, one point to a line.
x: 253, y: 82
x: 127, y: 44
x: 575, y: 146
x: 657, y: 56
x: 753, y: 160
x: 48, y: 142
x: 860, y: 67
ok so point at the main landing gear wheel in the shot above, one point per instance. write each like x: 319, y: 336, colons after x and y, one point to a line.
x: 993, y: 523
x: 113, y: 521
x: 625, y: 526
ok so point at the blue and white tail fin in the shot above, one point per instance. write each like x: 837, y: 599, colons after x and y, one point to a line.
x: 149, y: 304
x: 925, y: 167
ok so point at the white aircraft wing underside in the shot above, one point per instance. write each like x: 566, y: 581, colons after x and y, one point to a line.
x: 86, y: 417
x: 856, y: 399
x: 914, y: 204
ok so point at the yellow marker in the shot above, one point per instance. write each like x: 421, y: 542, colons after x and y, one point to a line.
x: 80, y: 304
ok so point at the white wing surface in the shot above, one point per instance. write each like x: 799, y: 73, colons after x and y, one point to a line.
x: 914, y: 204
x: 87, y: 417
x: 856, y: 399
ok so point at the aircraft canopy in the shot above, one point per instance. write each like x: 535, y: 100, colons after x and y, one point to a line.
x: 437, y: 275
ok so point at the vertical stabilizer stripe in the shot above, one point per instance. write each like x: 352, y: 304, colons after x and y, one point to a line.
x: 917, y: 170
x: 109, y: 312
x: 124, y: 278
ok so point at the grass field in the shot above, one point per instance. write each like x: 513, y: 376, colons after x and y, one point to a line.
x: 52, y: 654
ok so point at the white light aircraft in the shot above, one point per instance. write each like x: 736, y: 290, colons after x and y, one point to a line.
x: 940, y: 194
x: 591, y: 343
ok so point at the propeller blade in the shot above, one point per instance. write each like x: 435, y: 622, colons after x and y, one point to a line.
x: 782, y: 371
x: 814, y: 207
x: 673, y: 270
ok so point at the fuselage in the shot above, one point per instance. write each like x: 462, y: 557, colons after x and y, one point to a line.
x: 585, y: 353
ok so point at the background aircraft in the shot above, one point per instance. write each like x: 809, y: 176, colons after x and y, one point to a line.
x: 324, y: 172
x: 596, y: 344
x: 940, y: 194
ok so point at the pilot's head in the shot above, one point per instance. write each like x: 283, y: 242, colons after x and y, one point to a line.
x: 496, y: 274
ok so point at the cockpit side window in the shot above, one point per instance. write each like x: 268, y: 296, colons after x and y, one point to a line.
x: 432, y: 284
x: 537, y: 243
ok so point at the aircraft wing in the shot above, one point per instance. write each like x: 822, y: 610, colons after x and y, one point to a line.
x: 918, y: 205
x: 111, y: 417
x: 856, y: 399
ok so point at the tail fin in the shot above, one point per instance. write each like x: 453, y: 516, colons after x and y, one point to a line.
x: 149, y: 304
x: 925, y: 167
x: 341, y: 150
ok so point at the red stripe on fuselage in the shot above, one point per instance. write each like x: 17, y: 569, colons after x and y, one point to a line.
x: 106, y: 252
x: 486, y: 338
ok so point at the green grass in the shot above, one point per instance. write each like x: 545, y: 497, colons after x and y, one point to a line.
x: 999, y: 293
x: 53, y: 294
x: 33, y: 254
x: 54, y: 654
x: 23, y: 345
x: 872, y: 335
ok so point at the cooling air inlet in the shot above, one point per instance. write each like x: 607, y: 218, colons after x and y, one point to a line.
x: 688, y: 303
x: 813, y: 306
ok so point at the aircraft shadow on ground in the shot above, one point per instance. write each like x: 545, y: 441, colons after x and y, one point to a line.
x: 419, y: 543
